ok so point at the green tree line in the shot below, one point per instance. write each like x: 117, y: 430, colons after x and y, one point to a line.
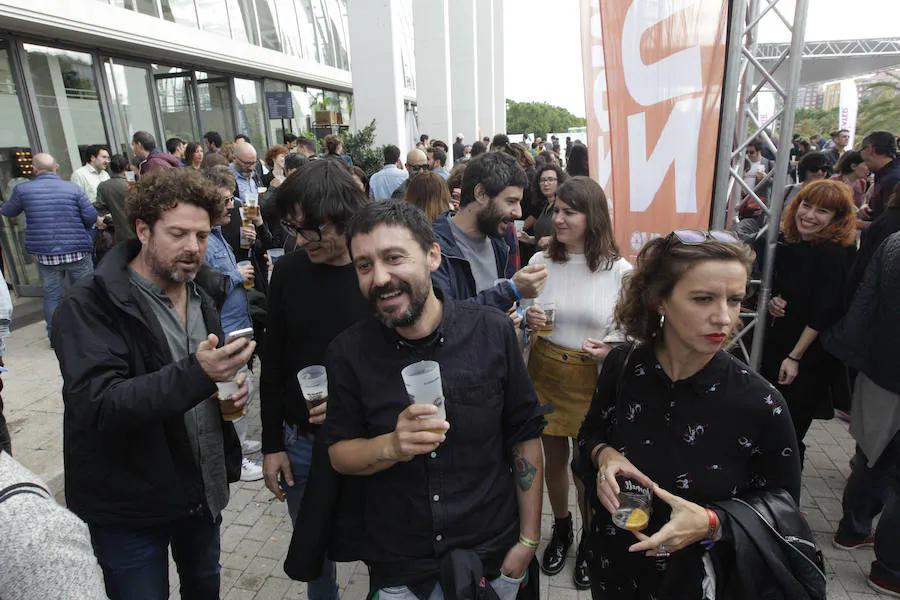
x: 882, y: 113
x: 538, y: 118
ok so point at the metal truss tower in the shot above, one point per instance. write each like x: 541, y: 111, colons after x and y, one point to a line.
x: 740, y: 123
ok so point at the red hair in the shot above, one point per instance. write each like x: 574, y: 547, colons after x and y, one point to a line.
x: 831, y: 195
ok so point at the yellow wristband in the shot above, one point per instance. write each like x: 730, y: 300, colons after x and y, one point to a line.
x: 528, y: 543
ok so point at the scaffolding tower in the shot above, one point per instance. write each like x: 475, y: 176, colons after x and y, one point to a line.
x: 745, y: 77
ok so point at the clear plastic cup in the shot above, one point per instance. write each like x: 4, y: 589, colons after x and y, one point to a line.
x: 635, y: 502
x: 549, y: 309
x: 314, y: 385
x: 248, y: 284
x: 274, y: 254
x: 226, y: 390
x: 423, y: 386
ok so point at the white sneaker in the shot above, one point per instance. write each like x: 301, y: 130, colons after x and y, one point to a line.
x: 250, y: 447
x: 250, y: 471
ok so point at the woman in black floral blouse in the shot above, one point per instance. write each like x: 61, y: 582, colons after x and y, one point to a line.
x: 677, y: 413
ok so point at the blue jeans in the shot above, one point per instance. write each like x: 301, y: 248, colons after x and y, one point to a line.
x: 135, y: 561
x: 57, y: 279
x: 299, y: 451
x: 507, y: 588
x: 869, y: 491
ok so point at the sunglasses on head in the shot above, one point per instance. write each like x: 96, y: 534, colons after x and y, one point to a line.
x: 690, y: 237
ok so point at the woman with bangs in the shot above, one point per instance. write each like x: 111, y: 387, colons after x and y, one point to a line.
x: 812, y: 264
x: 585, y: 272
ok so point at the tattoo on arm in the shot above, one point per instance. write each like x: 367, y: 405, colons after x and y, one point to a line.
x: 524, y: 471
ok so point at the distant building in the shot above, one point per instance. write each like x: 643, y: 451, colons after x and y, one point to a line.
x: 810, y: 97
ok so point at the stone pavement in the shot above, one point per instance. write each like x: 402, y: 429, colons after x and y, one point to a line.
x: 256, y: 529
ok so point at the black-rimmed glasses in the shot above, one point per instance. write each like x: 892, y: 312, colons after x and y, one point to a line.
x: 310, y: 234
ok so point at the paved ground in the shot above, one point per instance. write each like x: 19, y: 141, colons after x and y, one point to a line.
x: 256, y: 530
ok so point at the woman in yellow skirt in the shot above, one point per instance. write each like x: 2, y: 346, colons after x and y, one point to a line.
x: 573, y: 322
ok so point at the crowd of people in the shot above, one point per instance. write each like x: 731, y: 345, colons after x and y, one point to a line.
x: 497, y: 282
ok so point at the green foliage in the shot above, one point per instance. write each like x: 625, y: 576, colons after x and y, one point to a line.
x: 808, y: 122
x: 880, y: 112
x: 539, y: 118
x: 361, y: 148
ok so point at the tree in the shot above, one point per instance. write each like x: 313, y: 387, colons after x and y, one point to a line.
x: 360, y: 147
x: 810, y: 121
x: 539, y: 118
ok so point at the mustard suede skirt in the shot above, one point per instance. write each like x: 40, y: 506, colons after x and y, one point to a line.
x: 564, y: 378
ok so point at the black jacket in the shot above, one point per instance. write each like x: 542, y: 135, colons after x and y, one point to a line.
x: 770, y: 552
x: 125, y: 446
x: 878, y: 231
x: 868, y: 337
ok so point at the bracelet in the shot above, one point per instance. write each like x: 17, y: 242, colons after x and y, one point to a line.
x: 515, y: 290
x: 796, y: 360
x: 596, y: 460
x: 528, y: 543
x: 713, y: 523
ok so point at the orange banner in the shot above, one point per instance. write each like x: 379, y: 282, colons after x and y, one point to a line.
x: 664, y: 62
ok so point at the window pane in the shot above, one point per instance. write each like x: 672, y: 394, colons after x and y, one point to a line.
x: 287, y: 24
x: 307, y: 32
x: 180, y: 11
x: 407, y: 45
x: 268, y: 24
x: 214, y: 101
x: 242, y: 14
x: 302, y: 114
x: 146, y: 7
x: 67, y: 99
x: 131, y: 102
x: 337, y: 18
x: 19, y: 267
x: 176, y: 104
x: 251, y: 119
x: 214, y: 17
x: 323, y: 38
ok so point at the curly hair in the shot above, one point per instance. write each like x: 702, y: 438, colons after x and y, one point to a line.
x: 429, y: 192
x: 600, y: 249
x: 830, y: 195
x: 661, y: 264
x: 273, y: 152
x: 162, y: 190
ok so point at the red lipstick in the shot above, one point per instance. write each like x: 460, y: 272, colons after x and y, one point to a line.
x: 716, y: 338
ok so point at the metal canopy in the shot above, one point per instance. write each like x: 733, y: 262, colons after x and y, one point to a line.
x: 833, y: 60
x: 740, y: 123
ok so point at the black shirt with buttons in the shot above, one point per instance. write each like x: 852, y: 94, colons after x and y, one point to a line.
x: 463, y: 494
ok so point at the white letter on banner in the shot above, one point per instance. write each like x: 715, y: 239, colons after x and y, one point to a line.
x: 678, y: 142
x: 674, y: 75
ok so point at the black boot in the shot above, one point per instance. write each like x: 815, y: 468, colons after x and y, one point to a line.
x: 582, y: 574
x: 555, y: 555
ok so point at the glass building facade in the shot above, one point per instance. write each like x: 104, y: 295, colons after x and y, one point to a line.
x: 61, y: 96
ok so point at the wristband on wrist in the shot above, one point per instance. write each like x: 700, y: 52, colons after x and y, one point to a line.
x: 597, y: 453
x: 796, y: 360
x: 529, y: 543
x: 515, y: 290
x: 713, y: 525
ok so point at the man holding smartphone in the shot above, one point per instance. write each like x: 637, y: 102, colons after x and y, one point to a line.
x: 147, y: 455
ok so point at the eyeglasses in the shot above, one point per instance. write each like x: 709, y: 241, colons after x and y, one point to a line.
x: 310, y: 234
x: 691, y: 237
x: 418, y: 168
x: 545, y: 181
x: 818, y: 169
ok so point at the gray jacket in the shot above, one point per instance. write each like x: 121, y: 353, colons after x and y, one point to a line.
x: 46, y: 552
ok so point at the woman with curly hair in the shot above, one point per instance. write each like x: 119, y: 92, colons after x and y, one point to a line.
x: 812, y: 264
x: 676, y: 413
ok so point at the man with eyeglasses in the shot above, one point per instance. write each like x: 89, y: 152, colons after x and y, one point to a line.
x: 313, y: 296
x: 243, y: 166
x: 416, y: 162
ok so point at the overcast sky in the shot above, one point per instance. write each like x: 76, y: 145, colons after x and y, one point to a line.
x: 543, y: 41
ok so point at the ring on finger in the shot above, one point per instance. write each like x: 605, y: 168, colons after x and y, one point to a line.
x: 661, y: 551
x: 602, y: 477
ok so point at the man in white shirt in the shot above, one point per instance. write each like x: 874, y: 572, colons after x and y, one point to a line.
x: 383, y: 183
x: 93, y: 173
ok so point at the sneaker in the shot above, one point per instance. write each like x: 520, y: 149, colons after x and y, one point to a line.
x: 249, y: 447
x: 844, y: 544
x: 250, y: 471
x: 883, y: 587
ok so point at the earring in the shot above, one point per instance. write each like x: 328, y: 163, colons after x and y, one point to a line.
x: 662, y: 321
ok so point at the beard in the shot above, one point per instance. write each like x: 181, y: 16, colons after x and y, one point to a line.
x: 418, y: 296
x: 489, y: 219
x: 172, y: 270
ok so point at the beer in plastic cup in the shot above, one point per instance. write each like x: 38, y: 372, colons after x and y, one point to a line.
x: 245, y: 222
x: 248, y: 283
x: 423, y: 386
x: 252, y: 203
x: 226, y: 390
x: 549, y: 309
x: 314, y: 385
x: 274, y: 254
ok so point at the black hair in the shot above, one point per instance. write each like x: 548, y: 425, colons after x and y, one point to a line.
x: 756, y: 144
x: 478, y: 148
x: 213, y: 137
x: 811, y: 161
x: 393, y: 213
x: 438, y: 144
x: 577, y: 163
x: 495, y: 171
x: 439, y: 155
x: 242, y: 136
x: 307, y: 143
x: 499, y: 142
x: 289, y: 138
x: 391, y: 154
x: 145, y: 139
x: 172, y: 144
x: 93, y: 151
x: 423, y: 137
x: 848, y: 161
x: 294, y: 161
x: 325, y: 191
x: 118, y: 163
x: 882, y: 142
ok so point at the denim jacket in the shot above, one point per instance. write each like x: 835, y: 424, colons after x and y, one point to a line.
x: 235, y: 313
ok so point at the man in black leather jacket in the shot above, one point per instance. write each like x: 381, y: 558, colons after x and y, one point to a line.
x: 147, y: 454
x: 868, y: 339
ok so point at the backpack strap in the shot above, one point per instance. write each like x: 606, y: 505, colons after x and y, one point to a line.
x: 23, y: 488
